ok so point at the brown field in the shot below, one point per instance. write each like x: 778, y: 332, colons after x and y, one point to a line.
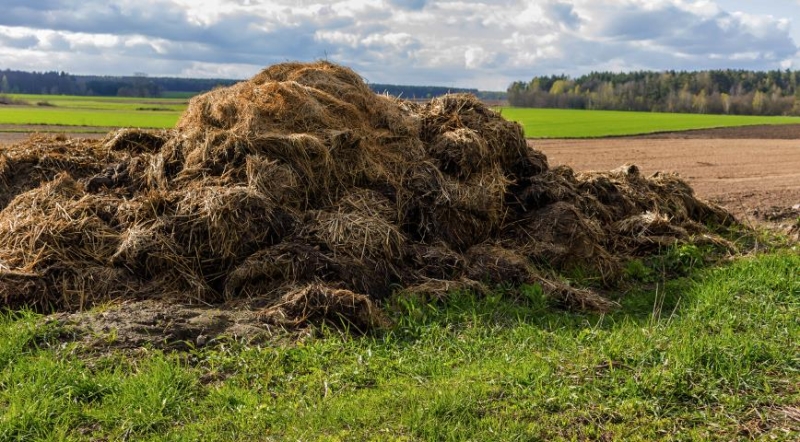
x: 749, y: 170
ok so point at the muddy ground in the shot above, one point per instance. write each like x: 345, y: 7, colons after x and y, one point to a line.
x: 753, y: 171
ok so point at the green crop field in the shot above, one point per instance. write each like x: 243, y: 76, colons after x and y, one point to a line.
x: 161, y: 113
x: 104, y: 103
x: 561, y: 123
x: 83, y: 117
x: 98, y: 112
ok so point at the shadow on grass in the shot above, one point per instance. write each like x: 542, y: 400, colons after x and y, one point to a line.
x: 651, y: 290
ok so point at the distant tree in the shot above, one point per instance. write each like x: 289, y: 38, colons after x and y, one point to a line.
x: 4, y: 88
x: 700, y: 102
x: 726, y: 103
x: 759, y: 102
x: 559, y: 87
x: 716, y: 91
x: 606, y: 96
x: 714, y: 103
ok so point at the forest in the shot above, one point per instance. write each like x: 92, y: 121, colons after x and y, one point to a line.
x: 141, y: 85
x: 738, y: 92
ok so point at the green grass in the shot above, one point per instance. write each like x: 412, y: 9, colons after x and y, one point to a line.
x: 95, y: 118
x: 712, y: 356
x: 561, y: 123
x: 63, y: 110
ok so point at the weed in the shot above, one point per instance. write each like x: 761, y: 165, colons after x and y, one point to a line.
x: 636, y: 270
x: 683, y: 258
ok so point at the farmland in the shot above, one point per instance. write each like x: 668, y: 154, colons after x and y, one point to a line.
x: 747, y: 170
x: 100, y: 114
x: 562, y: 123
x: 756, y: 186
x: 694, y: 335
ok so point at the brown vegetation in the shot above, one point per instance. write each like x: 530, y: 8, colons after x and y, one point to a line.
x: 303, y: 194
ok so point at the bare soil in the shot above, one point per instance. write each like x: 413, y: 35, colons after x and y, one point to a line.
x: 752, y: 171
x: 14, y: 133
x: 762, y: 132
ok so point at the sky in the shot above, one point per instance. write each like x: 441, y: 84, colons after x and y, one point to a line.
x: 474, y: 44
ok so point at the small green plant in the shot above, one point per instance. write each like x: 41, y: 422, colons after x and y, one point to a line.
x: 535, y: 295
x: 637, y: 270
x: 683, y: 258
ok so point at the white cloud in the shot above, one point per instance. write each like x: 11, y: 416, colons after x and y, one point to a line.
x: 467, y: 43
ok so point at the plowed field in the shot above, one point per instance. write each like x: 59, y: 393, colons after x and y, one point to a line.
x: 749, y: 170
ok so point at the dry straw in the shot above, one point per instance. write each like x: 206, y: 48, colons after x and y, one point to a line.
x: 302, y: 193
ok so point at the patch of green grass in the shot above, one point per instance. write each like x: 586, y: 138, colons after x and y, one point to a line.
x: 564, y: 123
x: 94, y: 102
x: 65, y: 110
x: 713, y: 356
x: 83, y: 117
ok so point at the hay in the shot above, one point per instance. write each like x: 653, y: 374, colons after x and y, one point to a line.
x: 460, y: 152
x: 136, y: 140
x: 302, y: 193
x: 38, y: 160
x: 316, y: 303
x: 496, y: 265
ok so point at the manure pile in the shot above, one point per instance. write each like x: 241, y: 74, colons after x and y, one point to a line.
x: 303, y: 194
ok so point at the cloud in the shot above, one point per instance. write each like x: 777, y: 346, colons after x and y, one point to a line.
x: 17, y: 40
x: 409, y: 4
x: 681, y: 31
x: 484, y: 44
x: 563, y: 13
x: 639, y: 34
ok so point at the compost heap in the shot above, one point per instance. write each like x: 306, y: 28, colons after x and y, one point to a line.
x: 304, y: 194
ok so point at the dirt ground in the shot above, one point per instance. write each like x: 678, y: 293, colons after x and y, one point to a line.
x: 753, y: 172
x: 14, y: 133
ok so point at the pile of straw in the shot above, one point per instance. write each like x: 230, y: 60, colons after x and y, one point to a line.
x: 302, y: 193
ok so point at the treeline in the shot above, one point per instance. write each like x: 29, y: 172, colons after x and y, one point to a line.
x: 424, y: 93
x: 418, y: 92
x: 709, y: 92
x: 62, y: 83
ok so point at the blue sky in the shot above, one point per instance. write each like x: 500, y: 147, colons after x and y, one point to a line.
x: 463, y: 43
